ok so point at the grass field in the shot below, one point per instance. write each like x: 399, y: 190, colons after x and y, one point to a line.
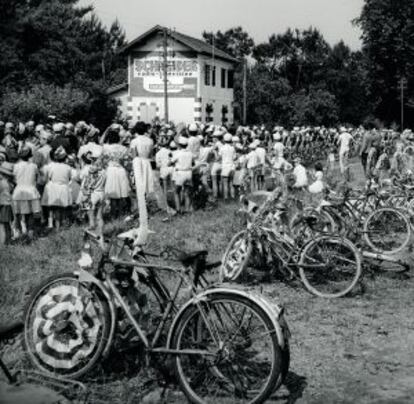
x: 358, y: 349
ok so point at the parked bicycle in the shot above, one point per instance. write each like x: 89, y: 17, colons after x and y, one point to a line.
x: 225, y: 343
x: 328, y: 266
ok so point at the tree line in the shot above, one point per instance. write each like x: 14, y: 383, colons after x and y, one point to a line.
x: 58, y: 57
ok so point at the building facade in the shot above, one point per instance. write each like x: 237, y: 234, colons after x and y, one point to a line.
x: 200, y: 79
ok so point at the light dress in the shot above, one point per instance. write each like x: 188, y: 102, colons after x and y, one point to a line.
x: 144, y: 176
x: 58, y: 192
x: 117, y: 182
x: 26, y: 197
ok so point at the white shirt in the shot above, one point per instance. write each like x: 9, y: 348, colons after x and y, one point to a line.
x: 183, y: 160
x: 252, y: 159
x: 162, y: 158
x: 228, y: 155
x: 261, y: 154
x: 344, y: 140
x: 301, y: 177
x: 279, y: 148
x: 142, y: 145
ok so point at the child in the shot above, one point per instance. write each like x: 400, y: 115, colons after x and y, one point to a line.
x: 26, y: 198
x: 317, y: 186
x: 92, y: 193
x: 57, y: 195
x: 183, y: 160
x: 228, y: 155
x: 6, y: 214
x: 252, y: 161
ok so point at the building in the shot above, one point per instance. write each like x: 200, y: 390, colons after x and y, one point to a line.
x: 200, y: 79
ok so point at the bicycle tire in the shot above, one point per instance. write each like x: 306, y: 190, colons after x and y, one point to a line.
x: 197, y: 392
x: 235, y: 258
x: 299, y: 225
x: 311, y: 254
x: 48, y: 353
x: 370, y: 231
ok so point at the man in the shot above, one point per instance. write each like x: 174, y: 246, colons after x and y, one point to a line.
x: 194, y: 143
x: 344, y: 141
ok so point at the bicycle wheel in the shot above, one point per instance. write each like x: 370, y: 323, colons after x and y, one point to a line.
x: 236, y: 257
x: 330, y: 267
x: 387, y: 231
x: 66, y: 327
x: 239, y: 357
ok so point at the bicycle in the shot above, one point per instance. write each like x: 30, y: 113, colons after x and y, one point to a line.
x: 378, y: 230
x: 223, y: 342
x: 328, y: 266
x: 34, y: 387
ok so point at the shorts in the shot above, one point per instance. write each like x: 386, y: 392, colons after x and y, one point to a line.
x: 182, y: 178
x: 227, y: 171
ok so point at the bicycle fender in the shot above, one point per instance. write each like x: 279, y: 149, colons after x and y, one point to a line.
x: 86, y: 277
x: 273, y: 311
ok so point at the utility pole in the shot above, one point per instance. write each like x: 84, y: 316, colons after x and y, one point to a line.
x: 165, y: 71
x: 244, y: 91
x: 403, y: 86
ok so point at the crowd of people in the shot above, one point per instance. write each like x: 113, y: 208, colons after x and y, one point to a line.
x: 54, y: 173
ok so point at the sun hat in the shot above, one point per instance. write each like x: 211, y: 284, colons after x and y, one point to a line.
x: 235, y: 139
x: 58, y: 127
x: 193, y: 127
x: 39, y: 127
x: 183, y: 141
x: 217, y: 133
x: 252, y: 145
x: 228, y: 137
x: 69, y: 126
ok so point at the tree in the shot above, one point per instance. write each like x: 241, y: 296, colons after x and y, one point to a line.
x: 56, y: 44
x: 388, y: 45
x: 235, y: 41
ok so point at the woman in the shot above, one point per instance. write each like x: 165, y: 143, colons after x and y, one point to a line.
x: 26, y: 198
x: 117, y: 183
x: 57, y: 195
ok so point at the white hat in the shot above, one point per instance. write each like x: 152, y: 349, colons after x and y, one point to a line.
x: 276, y: 136
x: 9, y: 125
x: 183, y: 141
x: 39, y: 127
x: 228, y: 137
x: 193, y: 127
x: 173, y: 145
x: 252, y: 145
x: 217, y: 133
x: 342, y: 129
x: 58, y: 127
x: 235, y: 139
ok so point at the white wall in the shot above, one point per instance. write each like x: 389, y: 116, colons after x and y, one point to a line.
x: 216, y: 95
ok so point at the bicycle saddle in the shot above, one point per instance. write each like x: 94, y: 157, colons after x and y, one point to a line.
x: 7, y: 331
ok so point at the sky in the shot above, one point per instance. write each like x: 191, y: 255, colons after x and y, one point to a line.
x: 260, y: 18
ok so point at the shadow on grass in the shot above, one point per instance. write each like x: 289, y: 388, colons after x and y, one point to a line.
x: 295, y: 385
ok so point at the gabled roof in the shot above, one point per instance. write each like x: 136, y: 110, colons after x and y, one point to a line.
x: 193, y: 43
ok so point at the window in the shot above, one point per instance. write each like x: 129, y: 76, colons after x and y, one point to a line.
x: 230, y: 79
x: 223, y: 78
x: 207, y: 75
x: 213, y: 79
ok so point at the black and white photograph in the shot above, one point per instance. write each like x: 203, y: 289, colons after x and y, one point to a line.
x: 206, y: 201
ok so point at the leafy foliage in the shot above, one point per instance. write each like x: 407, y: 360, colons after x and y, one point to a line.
x: 61, y: 49
x: 388, y: 44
